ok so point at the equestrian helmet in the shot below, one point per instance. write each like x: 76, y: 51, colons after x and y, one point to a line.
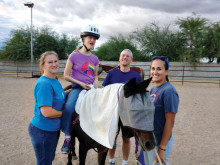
x: 90, y: 30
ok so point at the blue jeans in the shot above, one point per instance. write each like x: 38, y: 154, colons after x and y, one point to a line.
x: 149, y: 157
x: 69, y: 109
x: 44, y: 144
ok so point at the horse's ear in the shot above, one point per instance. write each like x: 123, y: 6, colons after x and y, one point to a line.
x: 129, y: 87
x: 145, y: 83
x: 131, y: 82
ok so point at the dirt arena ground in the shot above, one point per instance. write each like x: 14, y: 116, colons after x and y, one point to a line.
x: 196, y: 132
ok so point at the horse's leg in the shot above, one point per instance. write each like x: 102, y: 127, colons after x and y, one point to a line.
x: 70, y: 155
x: 102, y: 157
x: 82, y: 154
x: 69, y: 159
x: 73, y: 148
x: 73, y: 135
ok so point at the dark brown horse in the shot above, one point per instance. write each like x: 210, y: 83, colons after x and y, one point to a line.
x: 136, y: 111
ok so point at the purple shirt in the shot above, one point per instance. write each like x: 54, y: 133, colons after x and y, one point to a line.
x: 83, y: 67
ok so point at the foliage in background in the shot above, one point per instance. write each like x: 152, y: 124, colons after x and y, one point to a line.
x: 195, y: 39
x: 211, y: 42
x: 155, y: 41
x: 110, y: 51
x: 18, y: 47
x: 193, y: 27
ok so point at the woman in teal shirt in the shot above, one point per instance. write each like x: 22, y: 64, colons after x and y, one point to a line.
x: 49, y: 96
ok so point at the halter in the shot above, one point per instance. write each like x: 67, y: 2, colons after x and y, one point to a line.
x: 138, y: 154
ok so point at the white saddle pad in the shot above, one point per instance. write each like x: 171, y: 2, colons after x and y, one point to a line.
x: 98, y: 113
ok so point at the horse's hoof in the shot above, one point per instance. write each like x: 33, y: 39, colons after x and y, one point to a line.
x: 75, y: 157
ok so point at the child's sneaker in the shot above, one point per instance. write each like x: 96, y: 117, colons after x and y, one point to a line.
x: 65, y: 147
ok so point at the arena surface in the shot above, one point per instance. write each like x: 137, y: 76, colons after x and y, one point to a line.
x: 196, y: 131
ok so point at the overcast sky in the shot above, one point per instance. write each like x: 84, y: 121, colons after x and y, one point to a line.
x: 110, y: 16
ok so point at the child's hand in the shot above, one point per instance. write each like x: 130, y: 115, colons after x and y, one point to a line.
x: 85, y: 86
x: 96, y: 84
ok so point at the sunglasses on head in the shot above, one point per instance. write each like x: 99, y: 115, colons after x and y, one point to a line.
x: 163, y: 58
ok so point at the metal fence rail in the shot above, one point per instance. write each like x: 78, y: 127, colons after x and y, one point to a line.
x: 177, y: 73
x: 202, y: 74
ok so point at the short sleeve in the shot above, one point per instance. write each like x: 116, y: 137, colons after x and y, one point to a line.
x: 71, y: 58
x: 138, y: 78
x: 44, y: 94
x: 171, y: 101
x: 97, y: 61
x: 107, y: 80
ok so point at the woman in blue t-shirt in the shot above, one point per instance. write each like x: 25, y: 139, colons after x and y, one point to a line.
x: 49, y: 96
x: 166, y: 101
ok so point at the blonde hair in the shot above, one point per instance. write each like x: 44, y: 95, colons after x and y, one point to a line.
x: 80, y: 47
x: 43, y: 56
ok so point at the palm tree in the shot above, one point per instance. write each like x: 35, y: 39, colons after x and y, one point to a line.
x: 192, y: 26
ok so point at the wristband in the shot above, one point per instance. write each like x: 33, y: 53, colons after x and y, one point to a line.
x: 162, y: 149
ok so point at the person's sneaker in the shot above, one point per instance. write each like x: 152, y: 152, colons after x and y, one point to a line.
x: 111, y: 163
x: 65, y: 147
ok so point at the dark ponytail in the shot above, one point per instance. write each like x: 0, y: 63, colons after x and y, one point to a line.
x: 166, y: 68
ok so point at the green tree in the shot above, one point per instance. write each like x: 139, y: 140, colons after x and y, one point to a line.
x: 193, y: 26
x: 66, y: 45
x: 44, y: 43
x: 111, y: 50
x: 211, y: 42
x: 18, y: 47
x: 155, y: 41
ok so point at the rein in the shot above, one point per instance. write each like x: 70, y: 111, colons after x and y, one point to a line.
x: 75, y: 121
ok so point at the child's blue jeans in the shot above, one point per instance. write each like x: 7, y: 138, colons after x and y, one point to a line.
x: 69, y: 109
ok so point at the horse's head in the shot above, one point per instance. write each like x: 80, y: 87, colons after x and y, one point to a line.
x: 146, y: 139
x: 136, y: 110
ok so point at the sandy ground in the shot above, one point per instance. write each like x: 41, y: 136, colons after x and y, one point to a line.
x: 196, y: 132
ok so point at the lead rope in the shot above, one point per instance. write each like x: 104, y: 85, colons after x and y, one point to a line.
x: 155, y: 150
x: 158, y: 158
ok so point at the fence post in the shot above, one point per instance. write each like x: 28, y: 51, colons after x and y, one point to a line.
x: 183, y: 74
x: 17, y: 69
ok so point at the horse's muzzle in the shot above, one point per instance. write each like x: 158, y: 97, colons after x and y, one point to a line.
x: 146, y: 140
x: 149, y: 145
